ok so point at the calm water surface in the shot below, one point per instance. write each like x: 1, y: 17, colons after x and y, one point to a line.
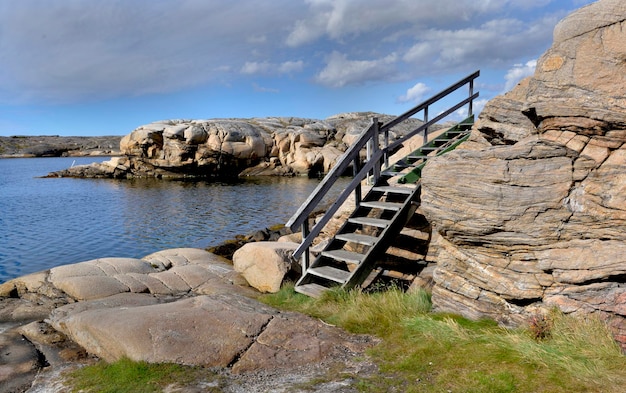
x: 51, y: 222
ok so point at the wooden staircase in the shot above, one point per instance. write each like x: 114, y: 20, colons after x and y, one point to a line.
x: 352, y: 253
x: 380, y: 216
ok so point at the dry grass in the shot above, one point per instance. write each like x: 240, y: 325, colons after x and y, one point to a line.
x: 426, y: 352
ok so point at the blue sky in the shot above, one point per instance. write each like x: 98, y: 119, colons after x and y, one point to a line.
x: 105, y: 67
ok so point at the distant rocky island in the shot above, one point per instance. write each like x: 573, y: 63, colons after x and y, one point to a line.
x: 20, y: 146
x: 274, y: 146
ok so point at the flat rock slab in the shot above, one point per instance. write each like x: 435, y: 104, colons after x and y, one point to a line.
x: 220, y: 330
x: 203, y: 330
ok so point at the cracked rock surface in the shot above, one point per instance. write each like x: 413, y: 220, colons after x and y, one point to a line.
x: 184, y: 306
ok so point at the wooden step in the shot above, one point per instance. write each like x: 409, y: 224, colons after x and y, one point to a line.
x: 330, y: 273
x: 394, y: 190
x: 374, y: 222
x: 428, y: 148
x: 344, y: 256
x: 456, y: 132
x: 311, y: 289
x: 417, y: 157
x: 390, y: 173
x: 382, y: 205
x: 357, y: 238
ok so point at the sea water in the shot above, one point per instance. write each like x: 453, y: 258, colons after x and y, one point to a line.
x: 47, y: 222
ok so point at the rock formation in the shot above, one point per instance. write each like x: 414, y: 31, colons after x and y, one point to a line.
x: 184, y: 306
x: 530, y: 213
x: 232, y: 147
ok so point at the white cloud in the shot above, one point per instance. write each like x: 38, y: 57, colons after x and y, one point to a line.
x: 421, y: 51
x: 492, y: 44
x: 519, y: 72
x: 253, y: 67
x: 76, y: 50
x: 262, y: 89
x: 291, y: 66
x: 415, y: 93
x: 267, y: 68
x: 340, y: 19
x: 257, y: 39
x: 340, y: 71
x: 73, y: 51
x: 477, y: 107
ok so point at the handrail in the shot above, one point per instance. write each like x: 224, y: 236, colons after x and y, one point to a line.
x: 329, y: 180
x: 431, y: 100
x: 373, y: 164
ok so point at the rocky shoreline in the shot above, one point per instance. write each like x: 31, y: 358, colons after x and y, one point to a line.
x: 18, y: 146
x: 184, y: 306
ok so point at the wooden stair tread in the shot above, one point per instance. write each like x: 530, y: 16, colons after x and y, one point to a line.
x: 331, y: 273
x: 391, y: 173
x: 417, y: 157
x: 357, y: 238
x: 394, y: 190
x: 312, y: 289
x: 345, y: 256
x: 375, y: 222
x: 382, y: 205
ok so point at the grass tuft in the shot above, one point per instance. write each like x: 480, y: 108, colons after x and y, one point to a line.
x: 127, y: 376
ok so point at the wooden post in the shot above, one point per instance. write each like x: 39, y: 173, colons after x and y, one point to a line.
x: 386, y: 147
x: 376, y: 148
x: 357, y: 190
x: 305, y: 259
x: 425, y: 129
x: 470, y: 110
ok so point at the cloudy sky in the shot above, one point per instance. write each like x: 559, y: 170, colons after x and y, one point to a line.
x: 105, y: 67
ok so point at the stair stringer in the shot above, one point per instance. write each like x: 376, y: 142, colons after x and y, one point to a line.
x: 385, y: 237
x: 370, y: 258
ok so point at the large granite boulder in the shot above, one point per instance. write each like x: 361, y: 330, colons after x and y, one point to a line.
x: 532, y: 209
x: 264, y: 265
x: 231, y: 147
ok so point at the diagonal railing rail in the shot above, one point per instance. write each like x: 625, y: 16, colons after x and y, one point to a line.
x: 377, y: 157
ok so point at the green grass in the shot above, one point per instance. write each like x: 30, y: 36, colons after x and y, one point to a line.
x: 127, y: 376
x: 428, y: 352
x: 419, y: 351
